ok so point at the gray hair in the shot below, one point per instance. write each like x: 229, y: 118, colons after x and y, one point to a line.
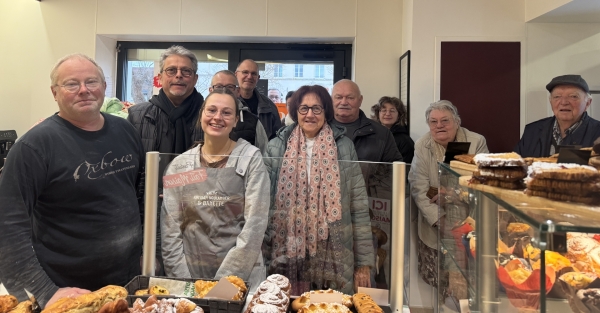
x: 181, y: 51
x: 442, y: 105
x: 79, y: 56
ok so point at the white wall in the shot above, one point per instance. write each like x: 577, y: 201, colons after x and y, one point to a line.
x: 468, y: 20
x: 558, y: 49
x: 536, y: 8
x: 39, y: 33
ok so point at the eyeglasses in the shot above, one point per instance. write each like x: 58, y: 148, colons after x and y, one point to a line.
x: 225, y: 114
x: 230, y: 87
x: 185, y: 72
x: 316, y: 109
x: 74, y: 87
x: 246, y: 73
x: 445, y: 122
x: 391, y: 111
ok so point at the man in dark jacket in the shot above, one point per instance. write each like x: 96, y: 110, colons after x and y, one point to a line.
x: 248, y: 127
x: 570, y: 125
x: 260, y: 105
x: 167, y: 123
x: 372, y: 141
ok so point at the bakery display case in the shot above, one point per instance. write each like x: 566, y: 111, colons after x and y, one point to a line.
x: 183, y: 186
x: 504, y: 251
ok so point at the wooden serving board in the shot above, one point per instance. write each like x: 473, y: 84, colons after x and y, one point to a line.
x: 463, y: 166
x: 519, y: 197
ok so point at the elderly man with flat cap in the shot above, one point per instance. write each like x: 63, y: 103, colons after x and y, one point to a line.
x: 570, y: 125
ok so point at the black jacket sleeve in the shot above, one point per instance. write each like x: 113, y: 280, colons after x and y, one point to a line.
x: 22, y: 180
x: 390, y: 150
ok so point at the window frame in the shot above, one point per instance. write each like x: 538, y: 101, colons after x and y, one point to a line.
x: 340, y: 54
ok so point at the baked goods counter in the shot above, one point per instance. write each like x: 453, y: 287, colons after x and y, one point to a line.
x: 506, y: 251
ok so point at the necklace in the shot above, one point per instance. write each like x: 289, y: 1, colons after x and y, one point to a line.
x: 215, y: 162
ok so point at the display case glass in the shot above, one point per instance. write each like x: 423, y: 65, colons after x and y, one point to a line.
x: 503, y: 251
x: 213, y: 203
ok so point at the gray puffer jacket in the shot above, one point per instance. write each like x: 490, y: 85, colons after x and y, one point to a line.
x: 355, y: 210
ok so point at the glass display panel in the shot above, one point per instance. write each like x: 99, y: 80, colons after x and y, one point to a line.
x: 213, y: 205
x: 525, y: 255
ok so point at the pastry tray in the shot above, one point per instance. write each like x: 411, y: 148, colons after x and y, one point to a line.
x: 208, y: 305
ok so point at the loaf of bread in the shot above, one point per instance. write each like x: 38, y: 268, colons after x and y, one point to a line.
x: 7, y: 303
x: 89, y: 302
x: 365, y: 304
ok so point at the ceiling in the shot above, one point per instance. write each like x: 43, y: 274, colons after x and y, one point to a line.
x: 576, y: 11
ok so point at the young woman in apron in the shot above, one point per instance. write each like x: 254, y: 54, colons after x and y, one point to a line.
x: 214, y: 216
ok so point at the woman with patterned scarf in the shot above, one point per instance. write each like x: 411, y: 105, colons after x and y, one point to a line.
x: 319, y: 231
x: 444, y: 127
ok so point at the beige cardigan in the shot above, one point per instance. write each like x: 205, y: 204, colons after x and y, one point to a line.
x: 424, y: 173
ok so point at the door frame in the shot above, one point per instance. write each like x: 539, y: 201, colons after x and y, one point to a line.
x: 438, y: 62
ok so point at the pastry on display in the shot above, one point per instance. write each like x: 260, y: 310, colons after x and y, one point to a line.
x: 204, y: 286
x: 89, y: 302
x: 324, y: 308
x: 590, y: 299
x: 564, y: 182
x: 158, y: 290
x: 7, y: 303
x: 23, y: 307
x: 172, y: 305
x: 584, y: 253
x: 466, y: 158
x: 578, y: 280
x: 270, y: 297
x: 304, y: 299
x: 117, y: 306
x: 365, y: 304
x: 141, y: 292
x: 503, y: 170
x: 531, y: 160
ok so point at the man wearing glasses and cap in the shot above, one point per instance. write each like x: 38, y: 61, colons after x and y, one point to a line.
x: 570, y: 125
x: 248, y: 127
x: 167, y: 123
x: 260, y: 105
x: 69, y: 210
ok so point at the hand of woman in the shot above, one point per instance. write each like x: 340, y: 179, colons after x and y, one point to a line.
x: 362, y: 277
x: 435, y: 199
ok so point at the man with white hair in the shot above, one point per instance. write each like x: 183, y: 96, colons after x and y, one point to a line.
x: 570, y: 125
x: 69, y: 210
x: 373, y: 142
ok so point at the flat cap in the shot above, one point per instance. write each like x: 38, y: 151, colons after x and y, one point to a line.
x: 575, y: 80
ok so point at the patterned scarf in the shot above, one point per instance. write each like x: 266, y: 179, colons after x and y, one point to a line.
x: 308, y: 211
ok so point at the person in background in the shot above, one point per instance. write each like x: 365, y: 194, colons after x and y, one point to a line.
x: 167, y: 122
x: 260, y: 105
x: 274, y: 95
x: 444, y: 127
x: 312, y: 165
x: 213, y: 227
x: 372, y: 141
x: 569, y: 98
x: 287, y: 120
x: 248, y: 127
x: 391, y: 113
x: 69, y: 209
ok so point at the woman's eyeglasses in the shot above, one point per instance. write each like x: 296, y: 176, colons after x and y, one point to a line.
x: 316, y: 109
x: 225, y: 114
x: 445, y: 122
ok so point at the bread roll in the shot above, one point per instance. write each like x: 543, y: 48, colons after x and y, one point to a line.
x: 7, y: 303
x: 23, y: 307
x: 89, y: 302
